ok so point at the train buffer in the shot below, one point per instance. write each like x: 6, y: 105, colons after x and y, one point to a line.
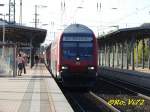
x: 35, y: 91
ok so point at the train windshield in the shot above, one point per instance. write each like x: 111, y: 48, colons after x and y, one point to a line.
x: 69, y: 50
x: 81, y: 49
x: 85, y: 50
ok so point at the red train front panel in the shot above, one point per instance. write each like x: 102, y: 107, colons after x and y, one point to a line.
x: 75, y: 55
x: 78, y: 60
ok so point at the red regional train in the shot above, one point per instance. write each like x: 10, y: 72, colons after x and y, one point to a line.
x: 72, y: 57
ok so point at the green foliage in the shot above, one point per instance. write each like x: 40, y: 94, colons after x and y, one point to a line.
x: 146, y: 52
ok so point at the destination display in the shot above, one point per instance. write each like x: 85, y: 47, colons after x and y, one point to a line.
x: 85, y: 44
x: 69, y: 44
x: 74, y: 38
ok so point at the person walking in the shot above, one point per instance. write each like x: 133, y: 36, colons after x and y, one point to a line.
x: 24, y: 64
x: 20, y: 64
x: 36, y: 60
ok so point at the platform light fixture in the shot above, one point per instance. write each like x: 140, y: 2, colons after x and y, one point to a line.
x: 36, y: 14
x: 2, y: 4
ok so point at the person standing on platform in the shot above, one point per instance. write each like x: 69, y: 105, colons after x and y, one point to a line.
x: 20, y: 64
x: 36, y: 60
x: 24, y: 64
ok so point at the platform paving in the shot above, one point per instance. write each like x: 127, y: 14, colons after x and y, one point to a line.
x: 140, y: 69
x: 31, y: 92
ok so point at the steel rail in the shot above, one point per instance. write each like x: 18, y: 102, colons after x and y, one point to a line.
x: 138, y: 94
x: 112, y: 108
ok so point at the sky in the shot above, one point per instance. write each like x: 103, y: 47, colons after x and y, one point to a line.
x: 101, y: 16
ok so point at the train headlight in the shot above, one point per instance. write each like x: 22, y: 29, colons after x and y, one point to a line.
x: 78, y: 59
x: 64, y: 67
x: 91, y: 68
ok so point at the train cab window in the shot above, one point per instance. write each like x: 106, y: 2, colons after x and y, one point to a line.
x: 82, y: 49
x: 85, y: 50
x: 69, y: 50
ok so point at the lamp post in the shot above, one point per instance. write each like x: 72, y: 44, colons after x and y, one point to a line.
x: 4, y: 30
x: 3, y: 20
x: 99, y: 10
x: 3, y: 41
x: 36, y: 14
x: 1, y: 4
x: 3, y: 24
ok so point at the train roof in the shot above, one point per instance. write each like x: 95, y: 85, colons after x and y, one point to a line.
x: 77, y: 28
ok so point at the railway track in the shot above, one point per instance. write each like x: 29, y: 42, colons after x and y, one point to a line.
x: 130, y: 86
x: 89, y: 102
x: 80, y: 103
x: 122, y: 97
x: 109, y: 97
x: 93, y: 102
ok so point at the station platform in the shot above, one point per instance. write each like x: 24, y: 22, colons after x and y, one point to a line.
x: 35, y: 91
x: 139, y: 76
x: 145, y: 70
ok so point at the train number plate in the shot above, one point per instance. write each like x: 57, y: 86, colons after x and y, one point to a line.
x: 77, y: 63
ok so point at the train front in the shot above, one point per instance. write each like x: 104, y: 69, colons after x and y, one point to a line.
x: 78, y: 56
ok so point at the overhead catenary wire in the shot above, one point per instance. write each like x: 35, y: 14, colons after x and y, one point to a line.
x: 131, y: 14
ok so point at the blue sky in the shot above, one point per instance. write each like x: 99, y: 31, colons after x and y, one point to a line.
x: 128, y: 13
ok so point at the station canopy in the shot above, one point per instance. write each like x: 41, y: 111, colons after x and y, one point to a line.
x: 22, y: 35
x: 122, y: 35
